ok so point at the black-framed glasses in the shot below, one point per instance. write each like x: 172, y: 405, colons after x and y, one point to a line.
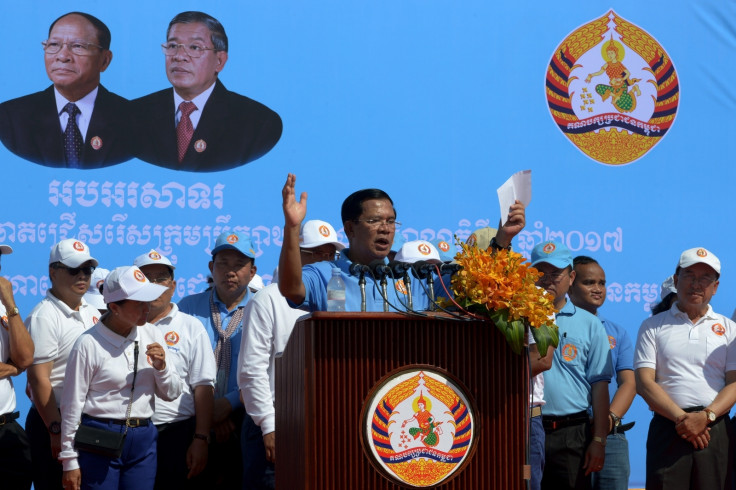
x: 378, y: 222
x: 702, y: 281
x: 73, y: 271
x: 323, y: 255
x: 78, y: 47
x: 192, y: 50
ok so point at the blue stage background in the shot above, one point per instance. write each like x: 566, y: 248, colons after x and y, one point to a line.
x: 435, y: 102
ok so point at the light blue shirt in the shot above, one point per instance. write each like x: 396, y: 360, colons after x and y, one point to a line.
x: 583, y: 357
x: 622, y: 350
x: 198, y: 305
x: 316, y: 276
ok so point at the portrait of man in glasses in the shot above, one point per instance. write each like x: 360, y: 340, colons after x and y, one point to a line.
x: 198, y: 125
x: 76, y: 122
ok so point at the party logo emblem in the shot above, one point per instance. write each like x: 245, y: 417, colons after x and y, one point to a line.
x: 612, y: 90
x: 200, y: 146
x: 232, y: 239
x: 569, y: 352
x: 324, y: 231
x: 96, y: 142
x: 424, y: 249
x: 153, y: 255
x: 171, y: 338
x: 419, y: 427
x: 78, y: 246
x: 444, y: 246
x: 139, y: 276
x: 612, y: 341
x: 718, y: 329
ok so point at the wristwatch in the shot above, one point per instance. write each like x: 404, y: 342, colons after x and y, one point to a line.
x: 615, y: 419
x: 496, y: 246
x: 54, y: 428
x: 710, y: 414
x: 600, y: 440
x: 12, y: 312
x: 203, y: 437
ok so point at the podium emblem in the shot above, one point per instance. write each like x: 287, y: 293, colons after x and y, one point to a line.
x: 419, y: 427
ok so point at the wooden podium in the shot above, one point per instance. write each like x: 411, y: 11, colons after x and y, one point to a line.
x: 332, y: 364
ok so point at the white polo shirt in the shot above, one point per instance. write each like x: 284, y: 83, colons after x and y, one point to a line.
x: 7, y: 393
x: 690, y: 360
x: 267, y: 324
x: 54, y: 327
x: 99, y: 373
x: 189, y: 353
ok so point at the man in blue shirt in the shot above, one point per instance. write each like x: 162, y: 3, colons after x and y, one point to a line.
x: 588, y: 292
x: 577, y: 380
x: 221, y: 312
x: 369, y: 221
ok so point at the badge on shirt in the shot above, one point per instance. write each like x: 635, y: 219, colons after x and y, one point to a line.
x: 718, y: 329
x: 569, y: 352
x: 200, y: 146
x: 96, y: 142
x: 171, y: 338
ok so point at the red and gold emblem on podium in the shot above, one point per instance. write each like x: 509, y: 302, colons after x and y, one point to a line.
x: 419, y: 427
x: 612, y: 90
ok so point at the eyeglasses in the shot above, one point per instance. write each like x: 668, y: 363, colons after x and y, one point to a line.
x: 320, y: 254
x: 192, y: 50
x: 80, y: 48
x: 159, y: 280
x: 73, y: 271
x: 378, y: 222
x: 702, y: 281
x: 552, y: 277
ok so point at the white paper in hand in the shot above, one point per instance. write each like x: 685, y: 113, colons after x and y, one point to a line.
x: 517, y: 188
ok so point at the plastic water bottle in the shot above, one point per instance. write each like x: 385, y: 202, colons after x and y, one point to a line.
x: 336, y: 292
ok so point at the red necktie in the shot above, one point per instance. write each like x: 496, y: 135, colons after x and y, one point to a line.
x: 184, y: 130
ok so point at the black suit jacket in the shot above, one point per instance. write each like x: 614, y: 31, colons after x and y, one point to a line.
x: 232, y: 130
x: 30, y: 128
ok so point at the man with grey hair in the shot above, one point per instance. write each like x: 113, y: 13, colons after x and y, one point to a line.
x: 199, y: 125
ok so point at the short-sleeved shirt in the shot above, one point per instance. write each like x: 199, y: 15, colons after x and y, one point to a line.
x: 622, y: 350
x: 690, y: 360
x: 316, y: 276
x: 581, y: 359
x: 198, y: 305
x: 54, y: 327
x: 189, y: 353
x: 7, y: 392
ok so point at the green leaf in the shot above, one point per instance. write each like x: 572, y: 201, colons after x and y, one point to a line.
x: 546, y: 336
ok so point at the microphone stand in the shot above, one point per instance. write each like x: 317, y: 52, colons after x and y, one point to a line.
x: 361, y: 283
x: 430, y: 285
x: 407, y: 283
x: 384, y: 288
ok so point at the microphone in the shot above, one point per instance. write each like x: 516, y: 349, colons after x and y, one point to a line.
x: 423, y: 269
x: 358, y: 269
x: 399, y: 268
x: 380, y: 269
x: 449, y: 268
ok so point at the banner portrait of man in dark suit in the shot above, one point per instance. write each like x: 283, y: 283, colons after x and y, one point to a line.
x: 76, y: 122
x: 199, y: 125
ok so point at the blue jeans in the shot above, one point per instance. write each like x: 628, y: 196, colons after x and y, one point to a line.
x: 536, y: 452
x: 258, y: 472
x: 616, y: 470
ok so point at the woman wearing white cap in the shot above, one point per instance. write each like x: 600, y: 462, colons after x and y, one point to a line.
x: 110, y: 387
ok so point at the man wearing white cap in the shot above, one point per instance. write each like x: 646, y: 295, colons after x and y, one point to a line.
x: 119, y: 357
x: 54, y: 324
x: 268, y: 323
x: 220, y: 310
x: 183, y: 424
x: 16, y: 354
x: 93, y: 296
x: 685, y: 367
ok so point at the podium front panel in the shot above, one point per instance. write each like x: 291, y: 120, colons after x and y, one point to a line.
x: 333, y: 363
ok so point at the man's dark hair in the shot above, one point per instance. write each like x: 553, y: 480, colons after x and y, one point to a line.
x: 352, y: 207
x: 217, y: 36
x: 103, y: 33
x: 665, y: 304
x: 583, y: 260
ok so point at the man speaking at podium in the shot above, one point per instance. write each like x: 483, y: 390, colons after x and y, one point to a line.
x: 369, y: 221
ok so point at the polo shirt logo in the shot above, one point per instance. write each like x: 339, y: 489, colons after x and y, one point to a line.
x: 611, y: 341
x: 569, y: 352
x: 171, y: 338
x: 718, y: 329
x: 400, y: 287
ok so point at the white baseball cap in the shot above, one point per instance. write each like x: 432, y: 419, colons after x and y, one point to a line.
x: 130, y: 283
x: 699, y: 255
x: 93, y: 295
x: 256, y: 283
x: 153, y: 258
x: 316, y: 232
x: 668, y: 286
x: 72, y: 253
x: 417, y: 250
x: 5, y: 249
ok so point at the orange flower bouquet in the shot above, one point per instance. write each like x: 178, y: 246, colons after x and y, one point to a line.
x: 500, y: 285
